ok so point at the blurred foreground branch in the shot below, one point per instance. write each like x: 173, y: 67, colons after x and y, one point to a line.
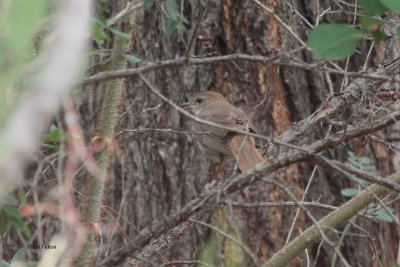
x: 60, y: 72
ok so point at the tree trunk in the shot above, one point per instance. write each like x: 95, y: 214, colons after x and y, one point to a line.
x: 157, y: 172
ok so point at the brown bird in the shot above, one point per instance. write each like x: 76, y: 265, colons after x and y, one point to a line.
x: 218, y: 142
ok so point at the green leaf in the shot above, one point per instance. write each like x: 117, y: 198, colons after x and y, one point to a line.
x: 5, y: 223
x: 171, y: 9
x: 354, y: 163
x: 147, y: 4
x: 9, y: 200
x: 11, y: 212
x: 379, y: 36
x: 53, y: 139
x: 99, y: 34
x: 19, y: 255
x: 53, y: 136
x: 171, y: 26
x: 351, y: 154
x: 365, y: 160
x: 21, y: 226
x: 373, y: 7
x: 4, y: 264
x: 398, y: 31
x: 370, y: 24
x: 120, y: 34
x: 393, y: 5
x: 383, y: 215
x: 99, y: 22
x: 98, y: 30
x: 349, y: 192
x: 333, y: 41
x: 11, y: 216
x: 132, y: 59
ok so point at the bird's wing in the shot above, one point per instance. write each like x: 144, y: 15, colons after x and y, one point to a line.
x: 212, y: 137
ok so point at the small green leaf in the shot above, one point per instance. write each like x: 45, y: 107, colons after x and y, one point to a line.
x: 349, y: 192
x: 9, y: 200
x: 393, y: 5
x: 10, y: 216
x: 21, y: 226
x: 100, y: 22
x: 383, y: 215
x: 132, y: 59
x: 171, y: 26
x: 351, y: 154
x: 53, y: 139
x: 370, y: 24
x: 354, y: 163
x: 379, y: 36
x: 53, y: 136
x: 373, y: 7
x: 171, y: 9
x: 398, y: 31
x: 19, y: 255
x: 120, y: 34
x: 365, y: 160
x: 5, y: 223
x: 99, y: 34
x: 98, y: 30
x: 11, y: 212
x: 333, y: 41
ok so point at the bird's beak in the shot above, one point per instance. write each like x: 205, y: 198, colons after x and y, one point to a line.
x: 187, y: 105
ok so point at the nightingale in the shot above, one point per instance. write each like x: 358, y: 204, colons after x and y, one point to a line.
x: 218, y: 142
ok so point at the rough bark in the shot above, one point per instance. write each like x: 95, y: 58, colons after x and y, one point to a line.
x: 157, y: 172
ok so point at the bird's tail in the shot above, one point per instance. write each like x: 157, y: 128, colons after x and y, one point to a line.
x: 245, y: 146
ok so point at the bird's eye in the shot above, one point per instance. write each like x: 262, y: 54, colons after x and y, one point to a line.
x: 199, y: 100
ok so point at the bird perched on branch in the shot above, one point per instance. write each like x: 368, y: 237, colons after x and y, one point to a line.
x: 219, y: 142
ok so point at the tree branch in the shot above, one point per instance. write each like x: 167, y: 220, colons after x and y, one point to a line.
x: 332, y: 220
x: 280, y: 60
x: 209, y: 200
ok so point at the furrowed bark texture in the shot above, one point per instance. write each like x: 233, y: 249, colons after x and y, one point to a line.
x: 158, y: 172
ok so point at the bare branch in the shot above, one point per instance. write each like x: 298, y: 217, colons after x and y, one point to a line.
x: 332, y: 220
x: 210, y: 199
x: 280, y: 60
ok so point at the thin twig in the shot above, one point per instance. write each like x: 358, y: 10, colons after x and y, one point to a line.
x: 302, y: 199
